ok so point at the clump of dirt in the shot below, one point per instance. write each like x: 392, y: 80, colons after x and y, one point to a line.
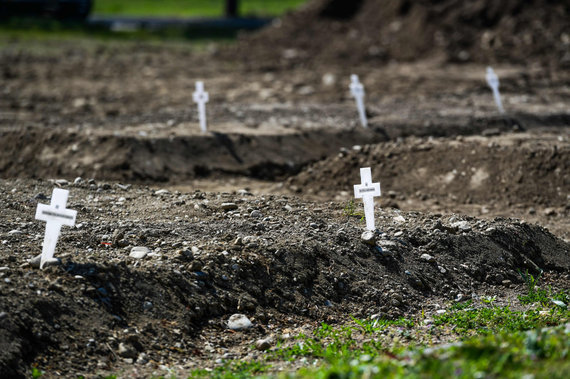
x: 278, y: 260
x: 369, y: 31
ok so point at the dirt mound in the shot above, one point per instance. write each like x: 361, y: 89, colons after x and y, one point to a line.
x: 511, y: 169
x: 369, y: 31
x: 276, y: 259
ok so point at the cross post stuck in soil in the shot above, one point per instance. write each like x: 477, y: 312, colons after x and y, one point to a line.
x: 493, y: 82
x: 367, y: 191
x: 201, y: 98
x: 357, y: 91
x: 55, y: 215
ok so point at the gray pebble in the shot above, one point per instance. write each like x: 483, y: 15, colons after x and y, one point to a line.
x: 127, y: 351
x: 35, y: 262
x: 239, y: 322
x: 427, y: 258
x: 256, y: 214
x: 229, y: 206
x: 263, y: 344
x: 368, y: 237
x: 139, y: 252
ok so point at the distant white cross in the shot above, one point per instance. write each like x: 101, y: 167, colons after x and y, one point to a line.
x: 201, y: 98
x: 493, y: 82
x: 367, y: 191
x: 357, y: 91
x: 55, y: 216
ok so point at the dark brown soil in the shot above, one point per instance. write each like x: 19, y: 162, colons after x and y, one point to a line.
x: 283, y: 128
x: 69, y: 320
x: 373, y: 31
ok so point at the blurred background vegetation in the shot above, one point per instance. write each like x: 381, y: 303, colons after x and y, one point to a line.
x: 191, y: 8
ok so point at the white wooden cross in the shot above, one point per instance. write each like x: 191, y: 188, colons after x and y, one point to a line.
x: 201, y: 98
x: 55, y: 216
x: 367, y: 191
x: 357, y: 91
x: 493, y: 82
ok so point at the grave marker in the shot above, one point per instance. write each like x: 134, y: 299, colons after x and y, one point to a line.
x: 493, y: 82
x: 55, y: 215
x: 201, y: 97
x: 367, y: 191
x: 357, y: 91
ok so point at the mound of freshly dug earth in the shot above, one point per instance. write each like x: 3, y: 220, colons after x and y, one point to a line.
x: 511, y: 169
x: 360, y: 31
x: 277, y: 260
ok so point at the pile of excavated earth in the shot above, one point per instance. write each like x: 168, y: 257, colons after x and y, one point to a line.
x: 190, y: 247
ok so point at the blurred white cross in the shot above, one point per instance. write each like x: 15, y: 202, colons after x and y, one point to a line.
x: 55, y: 215
x: 493, y: 82
x: 357, y: 91
x: 201, y: 98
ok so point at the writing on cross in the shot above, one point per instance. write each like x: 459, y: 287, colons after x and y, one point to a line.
x: 493, y: 82
x: 201, y: 97
x: 357, y: 91
x: 367, y: 191
x: 55, y: 215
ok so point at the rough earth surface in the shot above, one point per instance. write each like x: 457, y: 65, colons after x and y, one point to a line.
x: 255, y: 217
x: 212, y: 255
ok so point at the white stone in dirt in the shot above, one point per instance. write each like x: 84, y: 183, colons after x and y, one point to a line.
x: 368, y: 238
x: 37, y: 261
x: 427, y: 258
x: 357, y: 91
x: 201, y: 97
x: 367, y: 191
x: 55, y: 215
x: 464, y: 226
x: 139, y: 252
x: 493, y: 82
x: 238, y: 322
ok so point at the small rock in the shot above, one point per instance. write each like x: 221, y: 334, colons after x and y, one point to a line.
x: 368, y: 237
x: 78, y: 180
x: 61, y: 182
x: 441, y: 269
x: 314, y: 225
x: 506, y: 282
x: 399, y: 218
x: 550, y: 212
x: 427, y: 258
x: 239, y: 322
x: 147, y: 305
x: 139, y: 252
x: 127, y: 351
x: 461, y: 225
x: 398, y: 234
x: 35, y: 262
x: 288, y: 208
x: 256, y: 214
x: 263, y: 344
x: 15, y: 232
x: 162, y: 192
x: 229, y: 206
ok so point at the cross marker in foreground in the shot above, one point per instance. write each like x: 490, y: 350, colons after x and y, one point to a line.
x: 201, y: 98
x: 55, y: 215
x: 367, y: 191
x: 357, y: 91
x: 493, y: 82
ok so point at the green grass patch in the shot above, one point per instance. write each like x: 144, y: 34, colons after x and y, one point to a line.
x: 191, y: 8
